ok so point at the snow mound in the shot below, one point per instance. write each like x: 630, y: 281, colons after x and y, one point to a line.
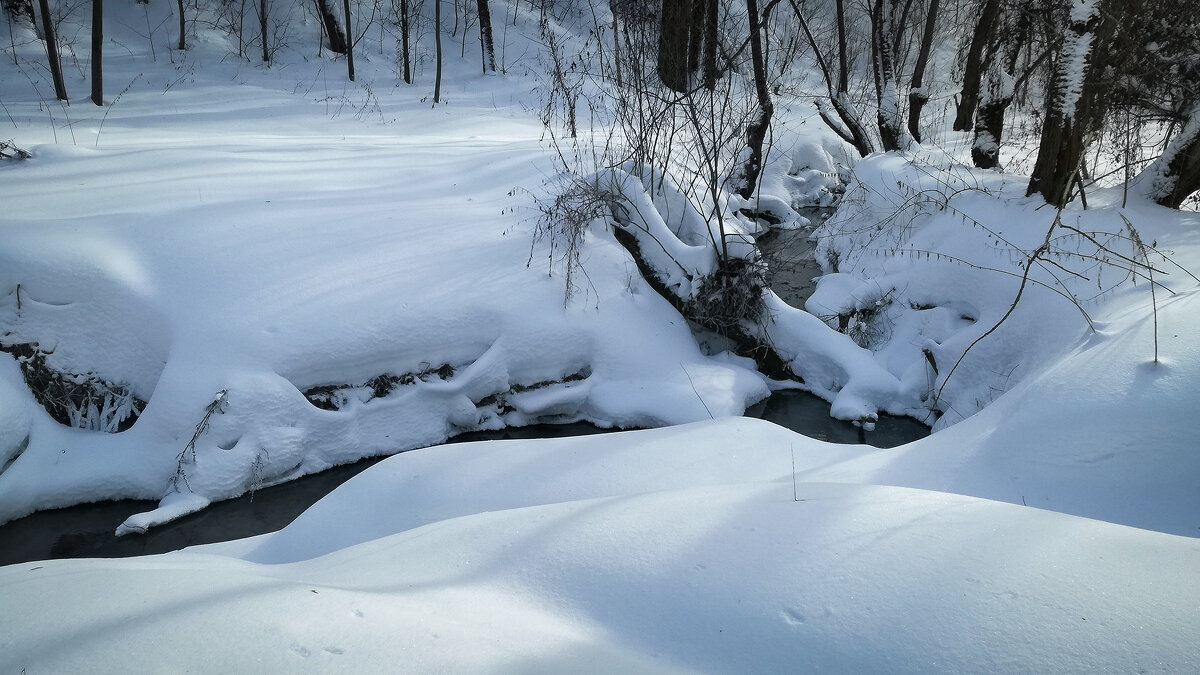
x: 698, y: 555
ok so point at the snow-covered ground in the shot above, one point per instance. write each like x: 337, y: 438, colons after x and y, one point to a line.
x: 225, y: 227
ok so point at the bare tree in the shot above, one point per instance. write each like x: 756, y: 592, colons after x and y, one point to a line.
x: 437, y: 43
x: 1078, y: 97
x: 263, y: 31
x: 349, y: 42
x: 892, y: 133
x: 848, y: 124
x: 60, y: 87
x: 973, y: 72
x: 405, y: 49
x: 485, y: 37
x: 333, y: 30
x: 756, y: 130
x: 98, y: 52
x: 918, y: 95
x: 674, y: 33
x: 688, y: 43
x: 182, y: 26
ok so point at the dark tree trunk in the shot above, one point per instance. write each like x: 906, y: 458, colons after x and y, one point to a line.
x: 333, y: 30
x: 847, y: 126
x: 841, y: 104
x: 968, y: 100
x: 756, y: 131
x: 843, y: 59
x: 404, y: 47
x: 708, y: 68
x: 437, y: 48
x: 262, y: 31
x: 989, y: 132
x: 182, y: 27
x: 1175, y: 176
x: 349, y: 41
x: 98, y: 52
x: 999, y: 90
x: 1071, y: 115
x: 486, y: 44
x: 702, y: 42
x: 673, y: 41
x: 917, y: 96
x: 1184, y: 171
x: 60, y: 87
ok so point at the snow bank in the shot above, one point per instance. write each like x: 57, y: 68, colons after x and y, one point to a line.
x: 924, y: 262
x: 253, y: 231
x: 686, y: 549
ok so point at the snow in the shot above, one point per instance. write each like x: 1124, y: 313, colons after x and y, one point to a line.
x: 1077, y: 47
x: 701, y: 554
x: 226, y: 236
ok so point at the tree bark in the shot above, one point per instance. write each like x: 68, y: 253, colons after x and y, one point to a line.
x: 262, y: 31
x: 486, y: 44
x: 404, y: 47
x: 917, y: 96
x: 98, y: 52
x: 60, y: 87
x: 999, y: 87
x: 1077, y: 100
x: 182, y: 27
x: 973, y: 73
x: 756, y: 131
x: 437, y: 43
x: 333, y: 30
x: 1175, y: 175
x: 349, y: 42
x: 674, y: 34
x: 847, y: 126
x: 708, y: 68
x: 892, y: 134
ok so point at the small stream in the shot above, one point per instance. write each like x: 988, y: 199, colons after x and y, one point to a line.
x: 86, y: 531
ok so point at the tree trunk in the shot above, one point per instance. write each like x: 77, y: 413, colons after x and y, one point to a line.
x: 60, y: 87
x: 999, y: 87
x: 973, y: 73
x: 1175, y: 175
x: 843, y: 60
x: 756, y: 131
x: 708, y: 67
x: 98, y: 52
x: 182, y: 27
x: 437, y: 45
x: 675, y: 31
x: 917, y: 96
x: 262, y: 31
x: 349, y: 42
x: 847, y: 126
x: 486, y: 44
x: 989, y: 128
x: 1077, y: 100
x: 404, y: 47
x: 892, y: 134
x: 333, y: 30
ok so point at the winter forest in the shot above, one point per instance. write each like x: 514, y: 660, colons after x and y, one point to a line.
x: 599, y: 336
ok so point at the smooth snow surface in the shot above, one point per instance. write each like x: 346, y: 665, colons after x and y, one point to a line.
x: 686, y: 549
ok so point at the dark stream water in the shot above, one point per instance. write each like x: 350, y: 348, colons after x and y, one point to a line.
x: 87, y: 530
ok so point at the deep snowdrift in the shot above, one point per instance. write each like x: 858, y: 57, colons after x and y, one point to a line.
x: 683, y: 549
